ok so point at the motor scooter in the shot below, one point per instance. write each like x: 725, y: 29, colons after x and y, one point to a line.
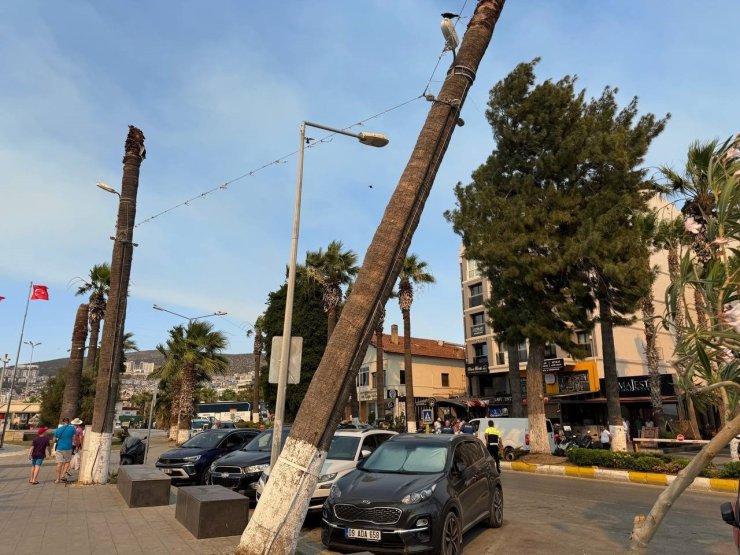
x: 133, y: 450
x: 566, y: 442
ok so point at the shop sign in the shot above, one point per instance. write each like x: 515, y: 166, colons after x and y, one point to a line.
x: 476, y: 369
x: 477, y: 329
x: 574, y: 382
x: 501, y: 400
x: 553, y: 365
x: 639, y: 386
x: 425, y: 402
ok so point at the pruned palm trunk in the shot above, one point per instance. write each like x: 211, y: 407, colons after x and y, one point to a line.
x: 408, y: 371
x: 273, y: 527
x: 538, y: 440
x: 379, y: 369
x: 653, y: 362
x: 332, y: 298
x: 515, y: 381
x: 187, y: 397
x: 175, y: 411
x: 258, y: 346
x: 71, y: 398
x: 92, y: 350
x: 611, y: 383
x: 98, y: 441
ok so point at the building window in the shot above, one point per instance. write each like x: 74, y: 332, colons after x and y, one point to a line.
x: 402, y: 376
x: 523, y: 353
x: 585, y: 339
x: 373, y: 377
x: 362, y: 377
x: 476, y: 295
x: 550, y: 351
x: 480, y: 353
x: 473, y: 269
x: 501, y: 354
x: 445, y: 380
x: 478, y: 324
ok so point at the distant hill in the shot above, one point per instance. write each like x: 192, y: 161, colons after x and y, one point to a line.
x: 238, y: 363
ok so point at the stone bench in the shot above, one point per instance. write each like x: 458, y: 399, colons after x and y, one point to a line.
x: 143, y: 486
x: 211, y: 511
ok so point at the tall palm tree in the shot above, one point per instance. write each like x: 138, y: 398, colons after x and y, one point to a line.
x: 98, y: 286
x: 332, y: 269
x: 259, y: 345
x: 379, y: 369
x: 413, y: 275
x: 71, y: 397
x: 273, y: 527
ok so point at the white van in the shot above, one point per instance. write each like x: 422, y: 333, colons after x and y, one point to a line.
x: 514, y: 434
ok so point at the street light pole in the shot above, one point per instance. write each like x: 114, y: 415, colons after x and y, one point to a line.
x: 149, y: 427
x: 28, y: 369
x: 370, y: 139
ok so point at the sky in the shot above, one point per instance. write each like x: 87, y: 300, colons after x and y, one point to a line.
x: 220, y: 90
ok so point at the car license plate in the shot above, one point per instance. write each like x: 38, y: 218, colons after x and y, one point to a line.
x: 360, y: 534
x: 224, y: 475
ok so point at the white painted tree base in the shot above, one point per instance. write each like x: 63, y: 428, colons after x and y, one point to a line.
x: 619, y: 438
x: 173, y: 432
x: 182, y: 436
x: 95, y: 459
x: 287, y: 493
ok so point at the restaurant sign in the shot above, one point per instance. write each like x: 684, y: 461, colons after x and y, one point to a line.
x: 553, y: 365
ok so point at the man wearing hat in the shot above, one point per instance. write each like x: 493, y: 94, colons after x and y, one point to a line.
x: 64, y: 436
x: 40, y: 449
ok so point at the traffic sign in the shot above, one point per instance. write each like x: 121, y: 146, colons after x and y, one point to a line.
x: 426, y: 415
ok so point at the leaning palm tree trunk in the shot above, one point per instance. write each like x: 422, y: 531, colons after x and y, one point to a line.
x: 96, y: 458
x: 71, y: 398
x: 275, y: 524
x: 379, y: 369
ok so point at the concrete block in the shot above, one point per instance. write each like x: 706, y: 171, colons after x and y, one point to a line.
x: 211, y: 511
x: 143, y: 486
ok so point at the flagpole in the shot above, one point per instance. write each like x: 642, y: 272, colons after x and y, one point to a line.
x: 15, y: 367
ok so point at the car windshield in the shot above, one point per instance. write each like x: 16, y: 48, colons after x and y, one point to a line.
x: 407, y: 458
x: 205, y: 440
x: 263, y: 442
x: 343, y: 448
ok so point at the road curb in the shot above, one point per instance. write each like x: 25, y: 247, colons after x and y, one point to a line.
x: 595, y: 473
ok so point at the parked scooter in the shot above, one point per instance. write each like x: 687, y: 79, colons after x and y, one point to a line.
x: 133, y: 450
x: 566, y: 442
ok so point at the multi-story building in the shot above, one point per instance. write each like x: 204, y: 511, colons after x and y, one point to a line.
x: 574, y: 388
x: 439, y: 374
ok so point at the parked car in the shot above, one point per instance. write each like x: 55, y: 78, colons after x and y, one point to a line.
x: 240, y: 470
x: 348, y: 447
x: 189, y: 462
x: 514, y: 434
x: 415, y: 493
x: 349, y: 425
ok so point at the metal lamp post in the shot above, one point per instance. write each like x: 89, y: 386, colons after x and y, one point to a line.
x: 28, y: 368
x: 370, y: 139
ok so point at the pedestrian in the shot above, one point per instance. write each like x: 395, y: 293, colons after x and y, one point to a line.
x: 626, y: 425
x: 638, y: 426
x: 77, y: 442
x: 466, y: 428
x: 262, y: 427
x: 493, y: 437
x: 447, y: 428
x: 64, y: 436
x: 438, y: 426
x: 40, y: 449
x: 606, y: 438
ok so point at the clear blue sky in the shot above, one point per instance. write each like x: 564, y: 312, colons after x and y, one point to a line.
x: 220, y: 89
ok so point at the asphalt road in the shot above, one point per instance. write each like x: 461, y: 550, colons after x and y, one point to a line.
x: 556, y: 515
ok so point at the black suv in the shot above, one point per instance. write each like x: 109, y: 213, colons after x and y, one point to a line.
x: 188, y: 463
x: 415, y: 493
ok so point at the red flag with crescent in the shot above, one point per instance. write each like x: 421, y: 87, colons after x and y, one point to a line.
x: 40, y: 293
x: 2, y: 299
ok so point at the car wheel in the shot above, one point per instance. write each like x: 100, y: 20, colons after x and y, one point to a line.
x: 451, y: 535
x: 496, y: 516
x: 508, y: 454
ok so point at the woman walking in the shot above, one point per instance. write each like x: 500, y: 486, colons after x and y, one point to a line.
x: 40, y: 449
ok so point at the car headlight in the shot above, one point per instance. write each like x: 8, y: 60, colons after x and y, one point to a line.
x: 256, y: 468
x: 192, y: 459
x: 335, y: 492
x: 327, y: 477
x: 418, y: 496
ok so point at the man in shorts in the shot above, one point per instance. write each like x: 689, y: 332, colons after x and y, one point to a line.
x: 64, y: 436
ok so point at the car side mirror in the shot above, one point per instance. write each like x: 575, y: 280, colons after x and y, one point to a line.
x: 365, y: 453
x: 728, y: 514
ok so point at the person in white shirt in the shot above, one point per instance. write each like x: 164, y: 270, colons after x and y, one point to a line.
x: 606, y: 438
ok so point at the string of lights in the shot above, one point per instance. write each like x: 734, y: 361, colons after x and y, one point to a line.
x: 314, y: 143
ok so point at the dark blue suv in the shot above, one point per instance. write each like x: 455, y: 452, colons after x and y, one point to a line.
x: 188, y: 463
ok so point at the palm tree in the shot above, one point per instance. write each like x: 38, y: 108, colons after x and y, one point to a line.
x: 197, y: 351
x: 71, y: 397
x: 99, y: 439
x: 332, y: 269
x: 259, y: 345
x: 379, y: 369
x: 98, y: 285
x: 413, y: 275
x: 273, y: 526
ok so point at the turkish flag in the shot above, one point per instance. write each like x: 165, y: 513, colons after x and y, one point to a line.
x: 40, y: 293
x: 2, y: 298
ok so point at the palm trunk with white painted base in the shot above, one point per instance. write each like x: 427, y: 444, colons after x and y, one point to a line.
x: 95, y: 458
x: 277, y: 519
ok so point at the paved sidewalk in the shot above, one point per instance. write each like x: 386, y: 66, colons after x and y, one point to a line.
x: 79, y: 520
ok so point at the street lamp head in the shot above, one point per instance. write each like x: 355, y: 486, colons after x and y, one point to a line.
x: 157, y: 307
x: 219, y: 313
x: 106, y: 187
x: 373, y: 139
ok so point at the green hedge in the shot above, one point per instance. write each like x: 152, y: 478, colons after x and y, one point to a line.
x: 646, y: 462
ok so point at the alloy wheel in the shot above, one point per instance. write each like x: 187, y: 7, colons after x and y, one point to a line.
x: 451, y: 535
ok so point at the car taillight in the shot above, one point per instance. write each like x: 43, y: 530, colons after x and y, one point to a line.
x: 526, y: 439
